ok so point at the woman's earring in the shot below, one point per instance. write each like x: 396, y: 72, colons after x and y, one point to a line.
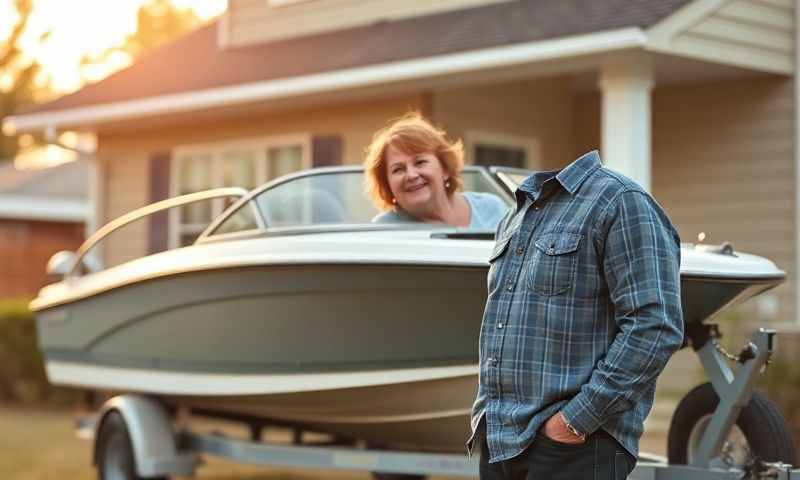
x: 394, y: 200
x: 447, y: 184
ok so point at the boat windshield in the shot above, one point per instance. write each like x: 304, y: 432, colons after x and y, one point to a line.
x: 334, y: 198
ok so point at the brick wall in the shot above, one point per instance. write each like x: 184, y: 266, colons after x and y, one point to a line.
x: 25, y: 248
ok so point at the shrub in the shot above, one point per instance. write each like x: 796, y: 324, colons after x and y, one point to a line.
x: 22, y: 375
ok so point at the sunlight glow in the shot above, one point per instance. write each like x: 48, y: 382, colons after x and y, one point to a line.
x: 6, y: 82
x: 86, y: 27
x: 43, y: 157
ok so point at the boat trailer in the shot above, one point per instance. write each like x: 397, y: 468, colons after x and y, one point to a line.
x: 135, y: 436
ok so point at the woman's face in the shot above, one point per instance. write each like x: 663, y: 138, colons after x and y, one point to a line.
x: 417, y: 181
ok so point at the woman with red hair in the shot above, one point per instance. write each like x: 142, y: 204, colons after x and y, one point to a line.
x: 413, y: 174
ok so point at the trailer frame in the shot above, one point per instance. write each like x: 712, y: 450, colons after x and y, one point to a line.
x: 159, y: 449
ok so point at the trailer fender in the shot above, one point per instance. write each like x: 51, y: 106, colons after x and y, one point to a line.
x: 151, y: 436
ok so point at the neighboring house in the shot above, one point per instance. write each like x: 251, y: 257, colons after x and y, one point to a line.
x: 693, y: 98
x: 42, y: 211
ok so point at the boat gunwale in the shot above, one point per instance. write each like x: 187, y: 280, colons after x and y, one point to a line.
x: 39, y: 304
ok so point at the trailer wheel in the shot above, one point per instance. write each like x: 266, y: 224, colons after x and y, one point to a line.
x: 115, y: 460
x: 760, y: 431
x: 396, y: 476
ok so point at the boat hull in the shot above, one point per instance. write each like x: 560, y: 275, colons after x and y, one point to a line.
x: 272, y: 320
x: 424, y: 415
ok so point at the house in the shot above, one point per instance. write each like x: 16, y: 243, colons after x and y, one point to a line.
x: 42, y: 211
x: 695, y: 99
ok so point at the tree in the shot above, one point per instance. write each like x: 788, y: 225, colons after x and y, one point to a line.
x: 157, y: 22
x: 18, y: 75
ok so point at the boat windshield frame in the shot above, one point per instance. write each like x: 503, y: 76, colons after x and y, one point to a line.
x: 146, y: 211
x: 208, y: 235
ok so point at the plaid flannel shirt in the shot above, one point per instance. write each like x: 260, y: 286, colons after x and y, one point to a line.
x: 583, y: 309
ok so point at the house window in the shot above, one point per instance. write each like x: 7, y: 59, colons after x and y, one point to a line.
x: 502, y: 150
x: 246, y: 164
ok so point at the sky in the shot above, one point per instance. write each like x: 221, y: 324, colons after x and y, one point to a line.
x: 79, y: 27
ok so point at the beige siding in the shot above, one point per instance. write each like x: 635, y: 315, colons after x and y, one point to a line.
x: 538, y: 109
x: 126, y: 156
x: 586, y: 111
x: 758, y: 12
x: 749, y: 33
x: 125, y: 187
x: 723, y: 165
x: 255, y: 21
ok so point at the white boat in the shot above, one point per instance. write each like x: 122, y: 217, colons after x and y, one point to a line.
x: 292, y: 308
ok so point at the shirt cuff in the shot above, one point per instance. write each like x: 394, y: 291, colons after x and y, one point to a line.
x: 580, y: 415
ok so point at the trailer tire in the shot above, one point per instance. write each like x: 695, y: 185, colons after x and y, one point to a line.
x: 761, y: 422
x: 115, y: 457
x: 396, y: 476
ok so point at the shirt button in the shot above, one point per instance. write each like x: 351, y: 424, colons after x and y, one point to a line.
x: 493, y: 361
x: 510, y: 287
x: 520, y: 250
x: 500, y: 325
x: 551, y: 251
x: 536, y: 207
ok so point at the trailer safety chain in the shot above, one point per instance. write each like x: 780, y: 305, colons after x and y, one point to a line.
x: 748, y: 351
x: 758, y: 469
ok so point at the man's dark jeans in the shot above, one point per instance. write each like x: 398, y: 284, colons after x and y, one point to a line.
x: 599, y: 458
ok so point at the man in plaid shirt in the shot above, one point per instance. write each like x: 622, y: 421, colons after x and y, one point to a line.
x: 582, y: 315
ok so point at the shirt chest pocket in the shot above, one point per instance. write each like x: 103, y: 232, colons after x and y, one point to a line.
x: 552, y: 269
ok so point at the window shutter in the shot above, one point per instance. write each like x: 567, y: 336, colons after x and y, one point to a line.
x: 159, y: 190
x: 326, y: 150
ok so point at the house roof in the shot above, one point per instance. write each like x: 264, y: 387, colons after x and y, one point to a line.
x: 195, y: 62
x: 56, y: 193
x: 67, y: 180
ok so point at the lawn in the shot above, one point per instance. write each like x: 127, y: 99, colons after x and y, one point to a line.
x: 39, y: 444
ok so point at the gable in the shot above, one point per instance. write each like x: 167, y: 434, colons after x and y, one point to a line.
x: 746, y: 33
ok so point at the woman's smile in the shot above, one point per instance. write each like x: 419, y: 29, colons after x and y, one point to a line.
x: 415, y: 187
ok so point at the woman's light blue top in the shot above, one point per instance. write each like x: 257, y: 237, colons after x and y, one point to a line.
x: 485, y: 212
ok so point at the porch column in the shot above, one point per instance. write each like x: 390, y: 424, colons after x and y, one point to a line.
x: 626, y: 145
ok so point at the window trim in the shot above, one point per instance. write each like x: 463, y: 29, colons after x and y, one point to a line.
x: 216, y: 150
x: 531, y: 146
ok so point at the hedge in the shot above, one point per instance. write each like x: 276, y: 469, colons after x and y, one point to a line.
x: 22, y: 375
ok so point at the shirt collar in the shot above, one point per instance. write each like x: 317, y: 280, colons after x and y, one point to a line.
x: 570, y: 177
x: 573, y: 175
